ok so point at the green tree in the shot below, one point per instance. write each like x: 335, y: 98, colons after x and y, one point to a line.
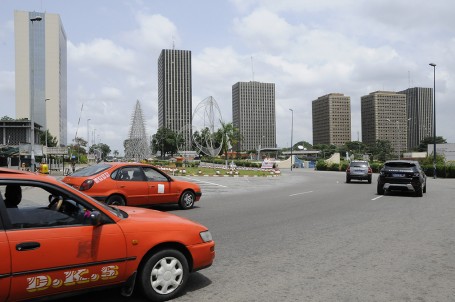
x: 51, y: 140
x: 205, y: 139
x: 104, y: 149
x: 382, y: 150
x: 356, y: 147
x: 166, y: 141
x: 423, y: 146
x: 326, y: 150
x: 78, y: 147
x: 305, y: 145
x: 228, y: 136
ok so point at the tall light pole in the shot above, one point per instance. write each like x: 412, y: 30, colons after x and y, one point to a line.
x: 88, y: 133
x: 45, y: 123
x: 292, y: 132
x: 32, y: 97
x: 434, y: 119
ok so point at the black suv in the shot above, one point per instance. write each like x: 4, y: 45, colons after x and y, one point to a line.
x: 402, y: 175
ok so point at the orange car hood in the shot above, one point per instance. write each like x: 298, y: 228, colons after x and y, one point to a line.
x: 141, y: 220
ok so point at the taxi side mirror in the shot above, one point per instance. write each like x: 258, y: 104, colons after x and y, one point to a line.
x: 95, y: 218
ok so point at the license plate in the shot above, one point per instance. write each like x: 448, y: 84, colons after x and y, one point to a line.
x: 398, y: 175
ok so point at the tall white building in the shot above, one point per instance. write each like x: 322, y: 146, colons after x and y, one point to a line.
x: 253, y: 113
x: 41, y: 71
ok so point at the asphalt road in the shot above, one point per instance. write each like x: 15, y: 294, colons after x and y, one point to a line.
x: 308, y: 236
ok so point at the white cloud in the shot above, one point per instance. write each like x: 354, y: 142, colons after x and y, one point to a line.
x: 101, y: 53
x: 264, y: 30
x: 153, y: 32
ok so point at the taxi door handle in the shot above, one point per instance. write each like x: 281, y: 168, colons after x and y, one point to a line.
x: 27, y: 246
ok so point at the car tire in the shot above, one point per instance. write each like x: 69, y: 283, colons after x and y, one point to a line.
x: 163, y: 275
x: 187, y: 200
x: 425, y: 188
x: 380, y: 189
x: 369, y: 179
x: 419, y: 192
x: 348, y: 179
x: 115, y: 200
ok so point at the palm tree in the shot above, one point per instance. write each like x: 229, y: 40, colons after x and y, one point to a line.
x: 228, y: 136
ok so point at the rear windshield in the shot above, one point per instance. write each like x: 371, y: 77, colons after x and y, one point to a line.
x: 400, y: 164
x: 91, y: 170
x: 359, y: 164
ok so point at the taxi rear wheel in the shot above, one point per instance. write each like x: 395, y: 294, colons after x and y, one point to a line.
x: 164, y: 275
x: 115, y: 200
x: 187, y: 200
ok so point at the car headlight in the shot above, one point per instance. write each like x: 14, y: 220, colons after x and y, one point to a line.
x: 206, y: 236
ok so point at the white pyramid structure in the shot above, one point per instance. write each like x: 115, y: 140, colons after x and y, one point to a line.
x: 137, y: 145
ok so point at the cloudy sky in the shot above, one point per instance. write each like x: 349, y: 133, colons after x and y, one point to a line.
x: 307, y: 48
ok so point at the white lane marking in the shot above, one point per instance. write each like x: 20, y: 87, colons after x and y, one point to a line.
x: 300, y: 193
x: 378, y: 197
x: 206, y: 182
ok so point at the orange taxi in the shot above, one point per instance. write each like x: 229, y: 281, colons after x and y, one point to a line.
x: 132, y: 184
x: 56, y: 241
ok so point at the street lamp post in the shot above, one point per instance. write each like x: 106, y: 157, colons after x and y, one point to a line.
x: 32, y: 99
x: 45, y: 123
x: 88, y: 133
x: 292, y: 132
x: 434, y: 119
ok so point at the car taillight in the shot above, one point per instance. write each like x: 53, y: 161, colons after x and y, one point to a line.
x: 87, y: 184
x: 348, y: 170
x: 370, y: 170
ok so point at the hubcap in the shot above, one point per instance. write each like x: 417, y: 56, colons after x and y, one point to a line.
x: 166, y: 275
x: 188, y: 200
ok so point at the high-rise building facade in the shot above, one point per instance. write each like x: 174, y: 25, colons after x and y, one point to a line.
x: 41, y: 71
x: 419, y: 104
x: 253, y: 113
x: 384, y: 117
x: 175, y: 93
x: 332, y: 119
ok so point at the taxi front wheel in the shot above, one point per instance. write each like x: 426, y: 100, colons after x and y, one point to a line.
x: 164, y: 275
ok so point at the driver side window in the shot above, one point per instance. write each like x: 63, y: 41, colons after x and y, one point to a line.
x: 37, y: 207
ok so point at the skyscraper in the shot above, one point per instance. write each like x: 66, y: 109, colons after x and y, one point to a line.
x: 419, y: 104
x: 175, y: 93
x: 253, y: 113
x: 41, y: 71
x: 332, y: 119
x: 384, y: 118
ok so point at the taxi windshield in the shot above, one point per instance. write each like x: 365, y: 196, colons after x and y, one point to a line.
x: 91, y: 170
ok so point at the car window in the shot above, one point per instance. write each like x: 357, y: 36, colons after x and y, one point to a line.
x: 359, y: 164
x: 154, y: 175
x: 91, y: 170
x: 32, y: 206
x: 399, y: 164
x: 129, y: 174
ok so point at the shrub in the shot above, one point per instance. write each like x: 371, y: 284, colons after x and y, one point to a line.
x: 334, y: 167
x: 321, y: 165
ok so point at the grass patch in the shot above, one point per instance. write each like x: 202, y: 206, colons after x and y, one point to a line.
x: 201, y: 171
